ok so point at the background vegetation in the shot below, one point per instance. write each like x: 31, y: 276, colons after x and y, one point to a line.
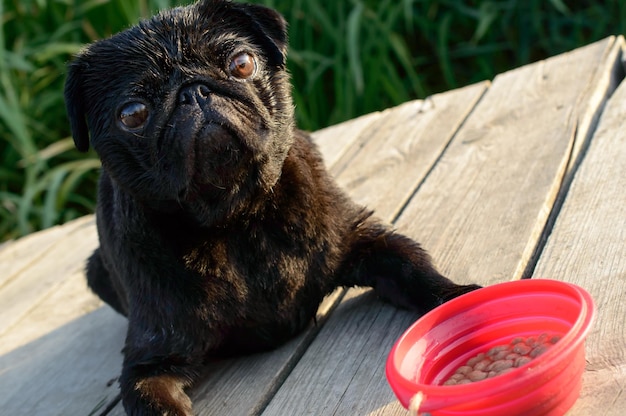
x: 347, y: 57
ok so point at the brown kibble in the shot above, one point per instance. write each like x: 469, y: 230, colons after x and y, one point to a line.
x: 538, y: 350
x: 522, y: 360
x: 497, y: 350
x: 457, y: 376
x: 500, y: 365
x: 501, y: 355
x: 502, y: 359
x: 482, y: 365
x: 521, y: 348
x: 477, y: 375
x: 475, y: 360
x: 464, y: 369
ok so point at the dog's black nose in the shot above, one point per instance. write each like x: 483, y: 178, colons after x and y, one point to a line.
x: 194, y: 93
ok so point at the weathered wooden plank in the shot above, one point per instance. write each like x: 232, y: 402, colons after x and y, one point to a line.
x: 34, y: 282
x: 19, y: 254
x: 63, y: 356
x: 588, y: 247
x: 343, y: 365
x: 483, y: 210
x: 482, y: 205
x: 404, y: 147
x: 335, y: 140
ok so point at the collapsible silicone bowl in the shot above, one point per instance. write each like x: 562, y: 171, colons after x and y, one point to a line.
x: 430, y: 351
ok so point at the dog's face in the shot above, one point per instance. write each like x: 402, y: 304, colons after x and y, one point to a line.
x: 191, y: 106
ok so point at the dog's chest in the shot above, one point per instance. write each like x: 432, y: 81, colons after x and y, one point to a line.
x: 254, y: 257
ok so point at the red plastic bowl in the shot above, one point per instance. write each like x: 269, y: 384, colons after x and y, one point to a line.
x: 445, y: 338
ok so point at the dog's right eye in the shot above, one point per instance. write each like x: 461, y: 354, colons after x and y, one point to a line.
x: 133, y: 115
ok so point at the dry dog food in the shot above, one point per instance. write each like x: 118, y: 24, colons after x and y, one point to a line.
x: 502, y: 359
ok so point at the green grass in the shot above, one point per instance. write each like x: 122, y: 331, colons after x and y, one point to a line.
x: 347, y: 57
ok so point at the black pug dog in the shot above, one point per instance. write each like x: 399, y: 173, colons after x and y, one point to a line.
x: 220, y: 228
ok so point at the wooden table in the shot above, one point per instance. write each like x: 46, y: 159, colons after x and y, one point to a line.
x: 520, y: 177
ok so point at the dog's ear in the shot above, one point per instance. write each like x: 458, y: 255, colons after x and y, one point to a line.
x: 268, y: 27
x: 74, y: 103
x: 273, y: 27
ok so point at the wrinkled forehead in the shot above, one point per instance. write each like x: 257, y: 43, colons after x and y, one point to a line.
x: 178, y: 38
x: 172, y: 45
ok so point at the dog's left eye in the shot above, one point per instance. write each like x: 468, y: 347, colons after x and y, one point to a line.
x: 133, y: 115
x: 242, y: 66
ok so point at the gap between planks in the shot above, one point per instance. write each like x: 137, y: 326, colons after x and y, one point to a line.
x: 588, y: 247
x: 585, y: 130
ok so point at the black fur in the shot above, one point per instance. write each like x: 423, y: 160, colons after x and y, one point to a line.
x: 219, y: 227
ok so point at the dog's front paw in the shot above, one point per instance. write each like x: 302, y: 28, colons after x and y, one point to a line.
x: 156, y: 396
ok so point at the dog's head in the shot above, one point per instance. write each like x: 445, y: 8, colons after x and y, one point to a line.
x: 191, y: 105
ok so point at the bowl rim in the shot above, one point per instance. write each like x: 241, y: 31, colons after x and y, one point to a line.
x: 440, y: 396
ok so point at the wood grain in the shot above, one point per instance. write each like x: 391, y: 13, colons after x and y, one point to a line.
x: 403, y: 148
x: 341, y: 368
x: 588, y: 247
x: 54, y: 263
x: 64, y: 356
x: 335, y: 141
x: 19, y: 254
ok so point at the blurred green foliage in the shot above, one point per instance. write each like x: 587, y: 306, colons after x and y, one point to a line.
x: 347, y: 57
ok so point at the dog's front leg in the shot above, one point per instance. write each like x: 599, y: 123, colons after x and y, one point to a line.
x: 398, y: 269
x: 155, y: 373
